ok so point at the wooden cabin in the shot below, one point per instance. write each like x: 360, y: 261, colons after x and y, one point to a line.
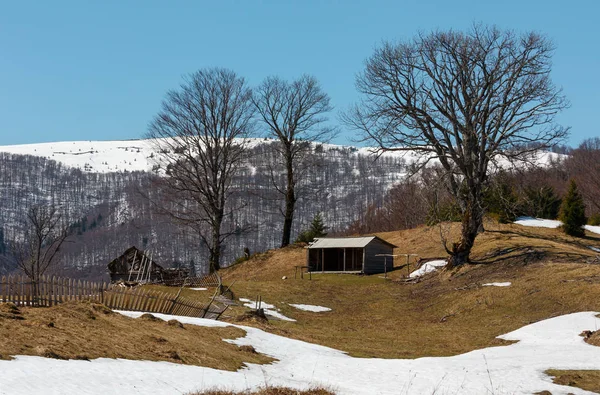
x: 350, y: 255
x: 135, y: 265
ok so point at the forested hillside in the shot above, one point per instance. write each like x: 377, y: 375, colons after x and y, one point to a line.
x: 109, y: 208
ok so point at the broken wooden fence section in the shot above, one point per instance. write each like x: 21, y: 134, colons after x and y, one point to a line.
x: 51, y: 291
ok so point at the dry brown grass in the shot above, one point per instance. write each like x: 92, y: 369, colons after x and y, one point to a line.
x: 83, y: 330
x: 446, y: 313
x: 588, y: 380
x: 269, y: 391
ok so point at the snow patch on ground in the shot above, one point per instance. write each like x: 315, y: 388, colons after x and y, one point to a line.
x: 269, y: 309
x: 594, y: 249
x: 505, y: 284
x: 310, y: 307
x: 428, y: 267
x: 549, y: 223
x: 514, y: 369
x: 593, y: 229
x: 199, y: 289
x: 538, y: 222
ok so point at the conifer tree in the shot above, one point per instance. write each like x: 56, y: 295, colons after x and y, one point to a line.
x: 572, y: 212
x: 317, y: 229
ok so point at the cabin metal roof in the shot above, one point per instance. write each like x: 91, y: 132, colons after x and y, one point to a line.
x: 345, y: 242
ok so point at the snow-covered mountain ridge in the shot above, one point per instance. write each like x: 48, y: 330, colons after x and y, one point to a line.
x: 140, y: 155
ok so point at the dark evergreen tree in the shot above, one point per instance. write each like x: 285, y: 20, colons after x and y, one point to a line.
x: 572, y: 212
x: 317, y: 229
x: 541, y: 203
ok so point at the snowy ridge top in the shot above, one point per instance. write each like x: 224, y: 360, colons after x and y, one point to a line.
x: 138, y: 155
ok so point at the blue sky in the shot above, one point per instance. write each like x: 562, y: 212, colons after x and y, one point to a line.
x: 98, y: 70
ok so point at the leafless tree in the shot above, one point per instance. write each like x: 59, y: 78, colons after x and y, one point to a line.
x: 200, y: 134
x: 45, y: 233
x: 294, y: 114
x: 463, y: 100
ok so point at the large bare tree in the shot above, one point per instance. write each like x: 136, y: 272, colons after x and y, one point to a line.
x: 45, y: 232
x: 200, y: 134
x: 294, y: 115
x: 463, y: 100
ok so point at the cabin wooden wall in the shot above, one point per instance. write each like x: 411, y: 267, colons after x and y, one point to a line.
x: 375, y: 264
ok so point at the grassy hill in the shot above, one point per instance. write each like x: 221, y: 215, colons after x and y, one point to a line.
x: 447, y: 312
x: 444, y: 313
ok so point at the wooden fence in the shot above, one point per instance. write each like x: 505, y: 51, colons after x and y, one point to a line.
x: 53, y: 290
x: 210, y: 280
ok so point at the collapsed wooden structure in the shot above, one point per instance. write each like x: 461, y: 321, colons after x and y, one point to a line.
x: 368, y: 255
x: 135, y: 266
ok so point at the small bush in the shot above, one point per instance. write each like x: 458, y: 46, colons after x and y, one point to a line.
x: 594, y: 220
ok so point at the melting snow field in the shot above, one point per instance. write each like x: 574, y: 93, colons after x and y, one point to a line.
x: 514, y: 369
x: 428, y: 267
x: 538, y: 222
x: 549, y: 223
x: 505, y: 284
x: 310, y: 307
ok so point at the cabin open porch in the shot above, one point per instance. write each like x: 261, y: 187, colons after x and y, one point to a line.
x: 335, y: 260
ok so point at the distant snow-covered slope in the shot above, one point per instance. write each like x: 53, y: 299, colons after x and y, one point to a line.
x: 93, y: 156
x: 120, y: 155
x: 138, y: 155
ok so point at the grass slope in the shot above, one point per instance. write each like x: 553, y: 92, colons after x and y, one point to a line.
x: 83, y: 330
x: 446, y: 313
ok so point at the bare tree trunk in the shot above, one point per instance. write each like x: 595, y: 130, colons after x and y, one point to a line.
x: 215, y: 248
x: 290, y: 203
x: 472, y: 225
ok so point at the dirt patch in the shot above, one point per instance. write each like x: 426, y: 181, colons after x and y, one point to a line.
x: 591, y: 337
x: 83, y: 330
x: 588, y: 380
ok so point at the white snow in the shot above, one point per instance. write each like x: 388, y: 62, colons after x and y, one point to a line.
x: 514, y: 369
x: 310, y: 307
x: 269, y: 309
x: 199, y: 289
x: 428, y: 267
x: 549, y: 223
x: 505, y: 284
x: 97, y: 156
x: 100, y: 156
x: 593, y: 229
x: 139, y: 155
x: 538, y: 222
